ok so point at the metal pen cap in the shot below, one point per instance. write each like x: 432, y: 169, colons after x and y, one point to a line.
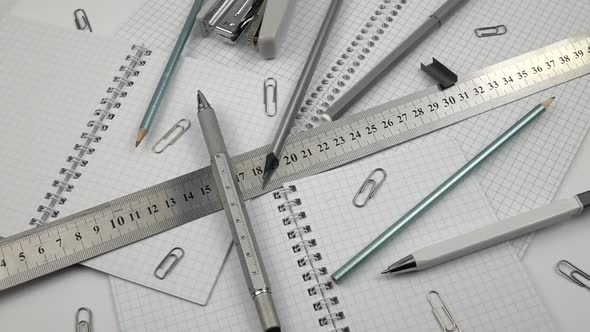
x: 266, y: 311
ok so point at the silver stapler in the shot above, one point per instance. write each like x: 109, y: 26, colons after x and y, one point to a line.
x: 263, y: 22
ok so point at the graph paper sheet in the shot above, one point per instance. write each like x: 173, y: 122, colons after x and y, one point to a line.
x: 205, y: 241
x: 67, y: 73
x: 486, y: 291
x: 525, y: 176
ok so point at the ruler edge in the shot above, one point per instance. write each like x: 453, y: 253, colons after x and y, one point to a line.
x: 327, y: 126
x: 175, y: 221
x: 249, y: 155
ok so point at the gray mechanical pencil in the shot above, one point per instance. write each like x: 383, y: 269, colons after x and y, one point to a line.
x: 237, y: 217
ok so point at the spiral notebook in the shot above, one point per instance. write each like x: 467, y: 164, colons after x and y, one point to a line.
x: 306, y: 230
x: 365, y: 31
x: 72, y: 104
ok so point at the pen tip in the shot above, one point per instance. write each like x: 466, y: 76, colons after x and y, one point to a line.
x: 140, y: 135
x: 201, y: 100
x: 385, y: 271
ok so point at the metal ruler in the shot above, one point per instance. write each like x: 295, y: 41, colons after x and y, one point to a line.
x: 112, y: 225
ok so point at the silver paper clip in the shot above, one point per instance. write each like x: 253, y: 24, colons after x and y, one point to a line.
x: 449, y: 324
x: 168, y: 263
x: 181, y: 126
x: 497, y: 30
x: 574, y: 273
x: 270, y: 103
x: 81, y: 20
x: 374, y: 187
x: 84, y: 324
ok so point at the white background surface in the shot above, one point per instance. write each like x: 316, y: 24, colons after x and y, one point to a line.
x: 50, y: 302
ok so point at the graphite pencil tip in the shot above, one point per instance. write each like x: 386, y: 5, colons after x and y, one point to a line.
x: 270, y: 165
x: 548, y: 102
x: 140, y: 135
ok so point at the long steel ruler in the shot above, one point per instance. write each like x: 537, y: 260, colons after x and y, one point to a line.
x: 117, y: 223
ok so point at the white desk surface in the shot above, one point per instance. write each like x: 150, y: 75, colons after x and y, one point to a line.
x: 24, y: 309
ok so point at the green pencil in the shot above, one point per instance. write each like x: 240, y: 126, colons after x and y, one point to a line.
x: 439, y: 192
x: 152, y: 109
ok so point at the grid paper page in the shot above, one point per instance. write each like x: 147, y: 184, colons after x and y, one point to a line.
x: 38, y: 133
x: 525, y: 175
x: 531, y: 24
x: 68, y: 72
x: 237, y: 98
x: 487, y: 291
x: 66, y: 94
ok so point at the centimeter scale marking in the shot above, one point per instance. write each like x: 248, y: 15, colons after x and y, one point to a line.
x: 114, y: 224
x: 246, y: 243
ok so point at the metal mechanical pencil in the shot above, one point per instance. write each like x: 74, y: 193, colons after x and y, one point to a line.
x: 237, y: 217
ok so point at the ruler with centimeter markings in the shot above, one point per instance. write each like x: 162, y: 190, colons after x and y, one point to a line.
x: 117, y: 223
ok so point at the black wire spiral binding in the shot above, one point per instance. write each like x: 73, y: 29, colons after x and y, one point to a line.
x: 348, y: 64
x: 307, y: 257
x: 91, y: 136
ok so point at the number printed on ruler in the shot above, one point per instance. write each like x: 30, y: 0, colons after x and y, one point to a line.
x: 111, y: 223
x: 506, y: 78
x: 241, y: 223
x: 137, y: 216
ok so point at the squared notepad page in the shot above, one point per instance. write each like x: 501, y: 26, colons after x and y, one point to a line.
x: 206, y: 241
x: 237, y: 99
x: 528, y: 172
x: 486, y: 291
x: 69, y: 72
x: 367, y: 30
x: 52, y: 82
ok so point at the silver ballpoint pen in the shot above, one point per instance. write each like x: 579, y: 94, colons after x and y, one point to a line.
x: 237, y: 217
x: 433, y: 22
x: 272, y: 158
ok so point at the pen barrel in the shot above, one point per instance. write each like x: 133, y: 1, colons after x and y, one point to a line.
x: 340, y: 106
x: 211, y: 131
x: 237, y: 216
x: 216, y: 147
x: 497, y: 233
